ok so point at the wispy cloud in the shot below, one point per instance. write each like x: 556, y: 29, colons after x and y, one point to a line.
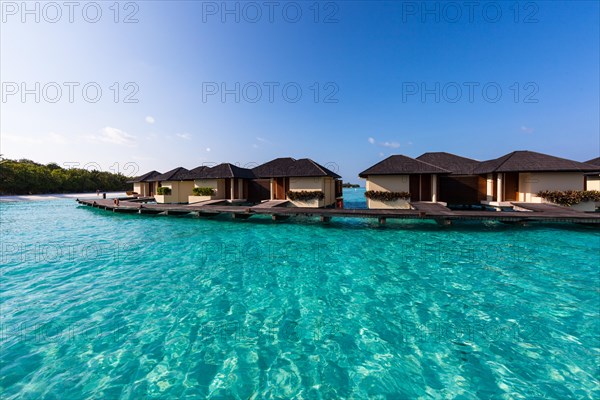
x: 526, y: 129
x: 185, y: 136
x: 391, y: 145
x: 114, y: 136
x: 150, y: 119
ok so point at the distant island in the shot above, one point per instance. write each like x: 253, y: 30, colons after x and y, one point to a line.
x: 24, y: 177
x: 350, y: 185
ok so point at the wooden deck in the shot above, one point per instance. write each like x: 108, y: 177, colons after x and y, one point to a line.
x: 425, y: 211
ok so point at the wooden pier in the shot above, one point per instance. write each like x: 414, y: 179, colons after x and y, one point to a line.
x: 422, y: 210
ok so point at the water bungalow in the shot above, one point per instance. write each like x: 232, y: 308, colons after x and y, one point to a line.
x: 402, y: 174
x: 461, y: 186
x: 177, y: 183
x: 520, y: 175
x: 144, y: 186
x: 316, y: 185
x: 227, y: 182
x: 443, y: 177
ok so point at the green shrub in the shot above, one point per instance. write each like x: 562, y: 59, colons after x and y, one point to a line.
x: 203, y: 191
x: 304, y: 195
x: 163, y: 190
x: 386, y: 196
x: 569, y: 197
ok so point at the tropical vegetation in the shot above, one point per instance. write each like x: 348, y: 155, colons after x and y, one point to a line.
x: 28, y: 177
x: 569, y: 197
x: 203, y: 191
x: 386, y: 196
x: 305, y: 195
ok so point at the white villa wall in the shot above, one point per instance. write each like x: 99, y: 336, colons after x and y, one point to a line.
x: 531, y: 183
x: 593, y: 182
x: 217, y: 184
x: 388, y: 183
x: 180, y: 190
x: 141, y: 188
x: 324, y: 184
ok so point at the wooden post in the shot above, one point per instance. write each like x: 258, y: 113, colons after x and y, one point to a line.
x: 325, y: 218
x: 381, y: 220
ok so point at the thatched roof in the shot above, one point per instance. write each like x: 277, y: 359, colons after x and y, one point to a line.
x: 221, y: 171
x: 531, y: 161
x: 402, y: 165
x: 289, y: 167
x: 177, y: 174
x: 145, y: 178
x: 456, y: 164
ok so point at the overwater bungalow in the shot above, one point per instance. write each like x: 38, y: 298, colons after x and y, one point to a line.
x: 521, y: 175
x: 223, y: 182
x: 462, y: 186
x: 143, y: 185
x: 174, y: 186
x: 303, y: 182
x: 406, y: 178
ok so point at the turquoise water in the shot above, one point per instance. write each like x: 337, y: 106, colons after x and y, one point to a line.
x: 97, y: 305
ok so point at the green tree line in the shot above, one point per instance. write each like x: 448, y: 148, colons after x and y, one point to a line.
x: 28, y: 177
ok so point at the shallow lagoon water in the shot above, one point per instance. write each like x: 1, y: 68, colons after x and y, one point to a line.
x: 102, y: 305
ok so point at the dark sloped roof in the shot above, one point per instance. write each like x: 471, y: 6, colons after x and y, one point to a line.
x: 177, y: 174
x: 456, y: 164
x: 227, y: 170
x: 289, y: 167
x: 531, y: 161
x: 145, y: 177
x: 594, y: 161
x: 402, y: 165
x: 197, y: 173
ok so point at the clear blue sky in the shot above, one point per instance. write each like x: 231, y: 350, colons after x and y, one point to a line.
x: 374, y: 58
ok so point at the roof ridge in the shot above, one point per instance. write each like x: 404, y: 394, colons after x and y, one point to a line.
x: 316, y: 164
x: 508, y: 157
x: 425, y: 162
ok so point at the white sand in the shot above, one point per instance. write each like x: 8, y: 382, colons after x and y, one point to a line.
x: 41, y: 197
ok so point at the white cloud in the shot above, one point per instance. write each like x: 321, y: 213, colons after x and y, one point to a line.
x: 114, y: 136
x: 150, y: 119
x: 381, y: 155
x: 255, y: 146
x: 392, y: 145
x: 208, y: 149
x: 185, y: 136
x: 261, y: 139
x: 526, y: 129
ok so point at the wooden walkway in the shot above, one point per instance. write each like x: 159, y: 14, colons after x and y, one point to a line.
x: 426, y: 211
x: 547, y: 208
x: 271, y: 203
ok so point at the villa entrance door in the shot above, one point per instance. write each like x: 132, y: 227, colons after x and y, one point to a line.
x: 228, y: 188
x: 281, y: 187
x: 511, y: 186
